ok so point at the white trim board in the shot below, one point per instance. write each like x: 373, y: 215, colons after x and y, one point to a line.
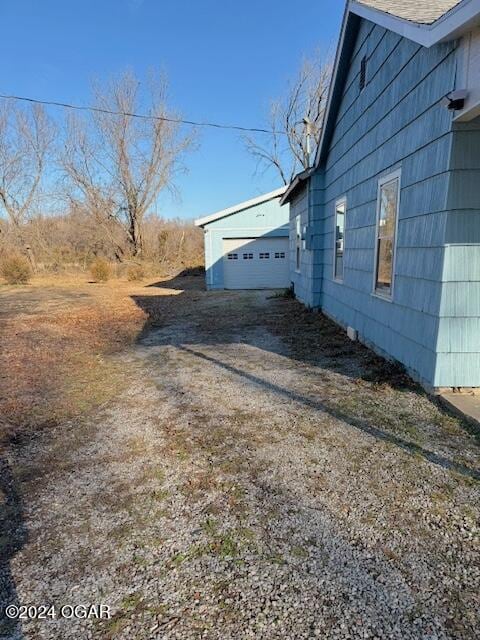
x: 386, y: 179
x: 337, y: 203
x: 447, y: 27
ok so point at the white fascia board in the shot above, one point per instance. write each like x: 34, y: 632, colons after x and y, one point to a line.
x: 456, y: 22
x: 240, y: 207
x: 411, y: 30
x: 448, y: 27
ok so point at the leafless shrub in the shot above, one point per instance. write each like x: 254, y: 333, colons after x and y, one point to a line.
x: 100, y: 270
x: 15, y: 269
x: 135, y: 272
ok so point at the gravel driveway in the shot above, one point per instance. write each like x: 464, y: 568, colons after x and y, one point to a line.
x: 258, y: 476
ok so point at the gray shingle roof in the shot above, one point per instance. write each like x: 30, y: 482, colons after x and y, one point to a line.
x: 419, y: 11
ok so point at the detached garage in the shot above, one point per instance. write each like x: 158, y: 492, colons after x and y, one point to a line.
x: 246, y: 246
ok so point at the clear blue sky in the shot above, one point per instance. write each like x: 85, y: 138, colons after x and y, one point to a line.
x: 225, y: 60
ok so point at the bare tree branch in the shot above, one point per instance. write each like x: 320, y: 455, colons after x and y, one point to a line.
x: 26, y: 137
x: 286, y: 151
x: 119, y: 165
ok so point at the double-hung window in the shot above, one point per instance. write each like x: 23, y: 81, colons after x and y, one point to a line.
x: 298, y: 242
x: 340, y: 211
x: 387, y: 219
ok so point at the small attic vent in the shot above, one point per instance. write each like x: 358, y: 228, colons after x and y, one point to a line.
x: 363, y: 73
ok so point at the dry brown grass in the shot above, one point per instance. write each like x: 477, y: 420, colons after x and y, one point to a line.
x: 55, y: 333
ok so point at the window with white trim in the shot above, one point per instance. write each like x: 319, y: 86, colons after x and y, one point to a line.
x: 387, y: 218
x: 340, y: 211
x: 298, y: 242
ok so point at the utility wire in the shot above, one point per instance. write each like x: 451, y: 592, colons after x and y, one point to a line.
x: 142, y: 116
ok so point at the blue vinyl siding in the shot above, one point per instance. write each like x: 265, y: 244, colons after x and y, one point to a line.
x: 307, y: 281
x: 398, y: 122
x: 458, y: 343
x: 267, y: 219
x: 301, y: 278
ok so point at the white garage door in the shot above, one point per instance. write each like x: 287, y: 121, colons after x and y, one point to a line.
x: 256, y: 263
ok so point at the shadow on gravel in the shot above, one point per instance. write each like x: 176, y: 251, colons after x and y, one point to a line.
x: 358, y: 423
x: 217, y: 318
x: 13, y: 536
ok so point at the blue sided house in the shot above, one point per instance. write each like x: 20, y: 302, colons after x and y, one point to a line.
x: 246, y: 246
x: 385, y: 227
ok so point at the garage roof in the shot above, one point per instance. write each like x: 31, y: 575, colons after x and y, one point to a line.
x: 201, y: 222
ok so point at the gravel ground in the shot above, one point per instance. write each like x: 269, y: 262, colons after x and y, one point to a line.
x: 258, y: 476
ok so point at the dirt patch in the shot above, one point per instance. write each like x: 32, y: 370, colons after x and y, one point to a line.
x: 55, y: 334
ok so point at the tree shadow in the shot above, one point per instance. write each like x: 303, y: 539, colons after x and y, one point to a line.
x: 13, y: 536
x: 323, y: 407
x: 191, y: 279
x: 191, y: 321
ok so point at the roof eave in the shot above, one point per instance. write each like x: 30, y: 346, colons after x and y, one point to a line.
x: 447, y: 27
x: 294, y: 185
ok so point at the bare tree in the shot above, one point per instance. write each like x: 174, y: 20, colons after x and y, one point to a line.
x: 119, y: 164
x: 296, y: 123
x: 26, y: 138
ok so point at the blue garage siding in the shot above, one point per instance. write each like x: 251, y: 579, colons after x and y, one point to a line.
x: 395, y: 122
x: 266, y: 219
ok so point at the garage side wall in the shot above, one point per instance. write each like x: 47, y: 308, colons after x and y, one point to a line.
x: 267, y: 219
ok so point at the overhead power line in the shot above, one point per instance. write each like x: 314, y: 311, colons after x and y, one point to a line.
x: 143, y: 116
